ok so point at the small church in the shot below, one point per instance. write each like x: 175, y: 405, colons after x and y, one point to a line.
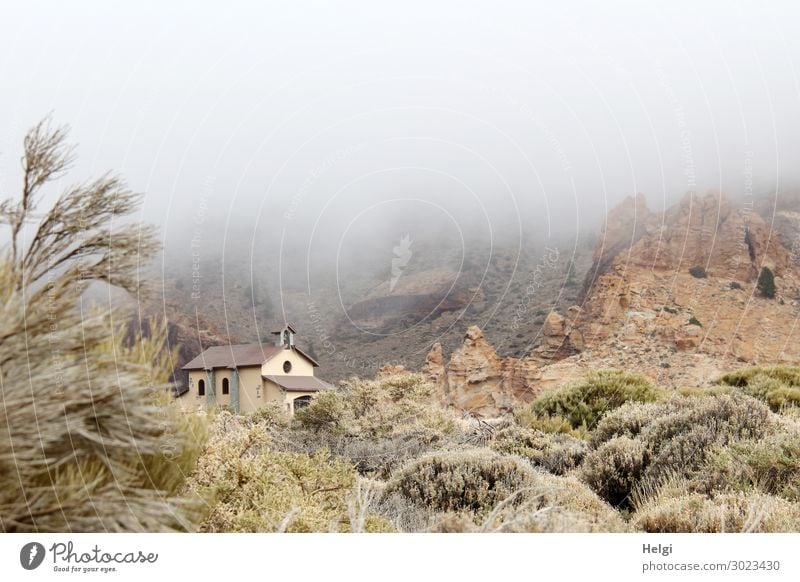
x: 245, y: 377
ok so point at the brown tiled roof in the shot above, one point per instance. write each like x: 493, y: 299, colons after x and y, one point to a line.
x: 233, y: 355
x: 299, y: 383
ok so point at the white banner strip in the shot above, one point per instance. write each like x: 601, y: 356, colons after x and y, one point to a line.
x: 372, y: 557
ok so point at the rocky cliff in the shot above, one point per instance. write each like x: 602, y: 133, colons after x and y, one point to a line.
x: 672, y: 294
x: 689, y: 283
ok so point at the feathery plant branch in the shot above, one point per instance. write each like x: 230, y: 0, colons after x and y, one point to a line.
x: 88, y: 441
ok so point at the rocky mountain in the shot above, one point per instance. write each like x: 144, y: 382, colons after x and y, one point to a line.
x: 671, y: 294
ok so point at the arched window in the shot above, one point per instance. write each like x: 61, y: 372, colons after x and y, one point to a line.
x: 301, y: 402
x: 201, y: 387
x: 287, y: 367
x: 225, y: 387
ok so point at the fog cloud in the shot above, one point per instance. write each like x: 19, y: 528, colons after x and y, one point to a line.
x: 324, y: 125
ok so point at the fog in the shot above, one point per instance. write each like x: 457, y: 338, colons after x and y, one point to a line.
x: 333, y: 129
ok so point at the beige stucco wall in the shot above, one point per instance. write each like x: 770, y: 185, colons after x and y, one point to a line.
x: 290, y: 397
x: 300, y: 365
x: 251, y: 389
x: 277, y: 394
x: 193, y: 397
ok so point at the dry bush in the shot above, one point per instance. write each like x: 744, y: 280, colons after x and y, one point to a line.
x: 252, y: 488
x: 556, y: 453
x: 471, y: 480
x: 556, y: 504
x: 613, y: 469
x: 628, y: 420
x: 87, y: 442
x: 734, y: 512
x: 679, y: 440
x: 641, y: 444
x: 770, y: 465
x: 584, y: 403
x: 374, y: 457
x: 271, y: 414
x: 377, y: 425
x: 376, y: 408
x: 551, y: 504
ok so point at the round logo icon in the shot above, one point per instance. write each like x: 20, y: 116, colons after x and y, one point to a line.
x: 31, y: 555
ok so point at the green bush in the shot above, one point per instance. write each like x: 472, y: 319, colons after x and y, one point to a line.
x: 584, y: 403
x: 698, y: 272
x: 555, y: 453
x: 473, y: 480
x: 694, y: 321
x: 778, y: 386
x: 614, y: 468
x: 766, y: 283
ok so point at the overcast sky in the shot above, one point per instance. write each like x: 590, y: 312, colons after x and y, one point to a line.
x: 485, y: 116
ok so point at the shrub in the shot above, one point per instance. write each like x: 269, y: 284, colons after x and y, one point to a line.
x: 472, y: 480
x: 551, y: 504
x: 560, y: 504
x: 694, y: 321
x: 735, y: 285
x: 270, y: 414
x: 627, y: 421
x: 556, y: 453
x: 613, y: 469
x: 740, y: 378
x: 770, y: 465
x: 698, y: 272
x: 584, y: 403
x: 736, y: 512
x: 673, y: 437
x: 253, y: 488
x: 766, y: 283
x: 380, y: 457
x: 87, y: 439
x: 678, y: 440
x: 325, y: 412
x: 778, y: 386
x: 526, y: 417
x: 375, y: 408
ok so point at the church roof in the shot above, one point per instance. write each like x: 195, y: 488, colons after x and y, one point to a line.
x: 237, y: 356
x: 299, y: 383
